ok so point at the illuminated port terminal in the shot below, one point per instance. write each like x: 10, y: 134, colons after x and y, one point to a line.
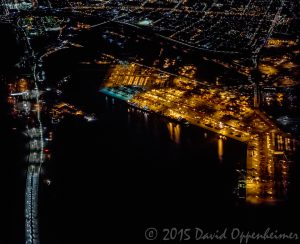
x: 223, y: 112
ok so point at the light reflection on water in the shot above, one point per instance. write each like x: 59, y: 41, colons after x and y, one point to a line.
x: 146, y: 119
x: 174, y: 131
x: 220, y: 149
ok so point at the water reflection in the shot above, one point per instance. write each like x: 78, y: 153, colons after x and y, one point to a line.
x: 106, y: 102
x: 146, y: 119
x: 220, y: 149
x: 128, y: 115
x: 174, y: 131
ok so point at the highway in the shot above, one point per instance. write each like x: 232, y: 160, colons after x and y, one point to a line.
x: 36, y: 155
x: 271, y: 28
x: 31, y: 205
x: 36, y: 158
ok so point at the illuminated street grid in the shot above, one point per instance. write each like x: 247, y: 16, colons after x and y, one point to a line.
x: 223, y: 112
x: 229, y: 26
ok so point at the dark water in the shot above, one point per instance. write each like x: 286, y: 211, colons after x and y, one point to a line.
x: 113, y: 178
x: 11, y: 150
x: 117, y: 176
x: 126, y: 163
x: 130, y: 166
x: 12, y: 177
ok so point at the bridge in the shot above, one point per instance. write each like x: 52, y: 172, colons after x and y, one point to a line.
x: 31, y: 205
x: 268, y: 148
x: 36, y: 157
x: 30, y: 101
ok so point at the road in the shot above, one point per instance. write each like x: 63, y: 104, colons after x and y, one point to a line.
x: 31, y: 205
x: 36, y: 155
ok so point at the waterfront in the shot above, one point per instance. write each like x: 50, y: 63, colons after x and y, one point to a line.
x: 115, y: 171
x: 132, y: 159
x: 111, y: 118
